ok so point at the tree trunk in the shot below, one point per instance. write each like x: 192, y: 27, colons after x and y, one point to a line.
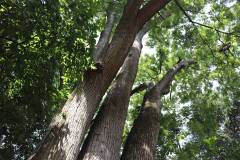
x: 142, y: 139
x: 67, y: 131
x: 105, y: 137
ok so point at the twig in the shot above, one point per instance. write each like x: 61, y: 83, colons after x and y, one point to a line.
x: 193, y: 23
x: 200, y: 24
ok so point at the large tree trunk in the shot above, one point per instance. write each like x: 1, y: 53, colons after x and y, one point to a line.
x: 105, y: 137
x: 142, y: 139
x: 68, y: 129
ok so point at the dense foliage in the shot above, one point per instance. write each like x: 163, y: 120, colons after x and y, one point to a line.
x: 45, y: 46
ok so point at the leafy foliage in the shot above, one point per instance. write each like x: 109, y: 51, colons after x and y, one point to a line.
x: 45, y: 47
x: 196, y: 114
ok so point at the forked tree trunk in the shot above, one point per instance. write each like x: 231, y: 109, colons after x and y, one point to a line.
x: 105, y: 137
x: 142, y: 139
x: 67, y: 130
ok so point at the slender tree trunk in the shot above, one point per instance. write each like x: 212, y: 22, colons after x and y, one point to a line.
x: 105, y: 137
x: 142, y: 139
x: 67, y: 130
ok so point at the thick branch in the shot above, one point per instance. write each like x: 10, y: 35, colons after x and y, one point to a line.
x: 104, y: 36
x: 131, y: 9
x: 142, y: 32
x: 149, y: 10
x: 164, y: 85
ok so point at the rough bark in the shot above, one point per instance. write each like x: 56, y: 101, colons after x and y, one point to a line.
x: 105, y: 137
x: 141, y: 141
x: 67, y: 131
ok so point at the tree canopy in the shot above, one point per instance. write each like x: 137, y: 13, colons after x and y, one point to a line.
x: 45, y: 47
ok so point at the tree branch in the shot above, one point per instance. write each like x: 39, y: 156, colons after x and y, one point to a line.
x: 164, y: 85
x: 104, y: 36
x: 142, y: 87
x: 149, y: 10
x: 142, y: 32
x: 190, y: 20
x: 132, y: 7
x: 197, y: 23
x: 209, y: 27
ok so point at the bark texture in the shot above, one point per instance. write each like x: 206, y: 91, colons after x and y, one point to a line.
x: 105, y: 137
x: 67, y: 131
x: 142, y: 139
